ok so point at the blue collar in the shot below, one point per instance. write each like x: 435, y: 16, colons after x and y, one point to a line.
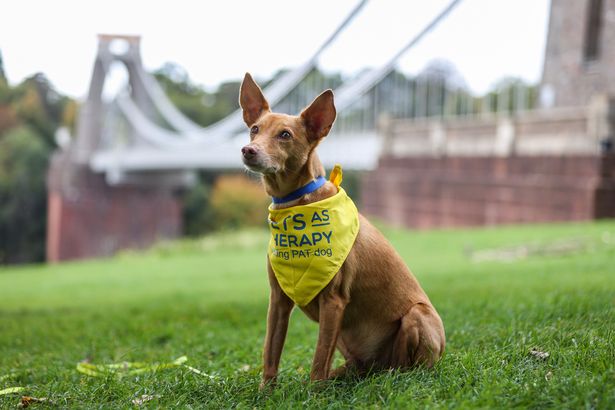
x: 306, y: 189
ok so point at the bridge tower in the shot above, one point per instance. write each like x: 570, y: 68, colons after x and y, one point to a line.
x: 95, y: 214
x: 580, y: 52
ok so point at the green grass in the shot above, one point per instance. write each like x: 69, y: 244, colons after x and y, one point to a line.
x: 207, y: 299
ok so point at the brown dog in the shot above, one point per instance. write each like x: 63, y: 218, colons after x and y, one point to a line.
x: 373, y: 310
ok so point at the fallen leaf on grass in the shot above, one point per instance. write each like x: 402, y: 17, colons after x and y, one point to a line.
x: 27, y: 400
x: 200, y: 373
x: 548, y: 376
x: 132, y: 368
x: 538, y: 354
x: 11, y: 390
x: 6, y: 376
x: 139, y: 401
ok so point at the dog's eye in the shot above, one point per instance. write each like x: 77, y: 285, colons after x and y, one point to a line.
x: 254, y: 130
x: 285, y: 135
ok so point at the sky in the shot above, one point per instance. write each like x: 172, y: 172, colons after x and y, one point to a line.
x: 218, y: 41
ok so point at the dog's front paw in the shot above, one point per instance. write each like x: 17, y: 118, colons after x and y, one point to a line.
x: 319, y: 385
x: 268, y: 383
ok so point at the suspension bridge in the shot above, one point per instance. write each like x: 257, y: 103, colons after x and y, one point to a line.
x: 113, y: 185
x: 140, y: 134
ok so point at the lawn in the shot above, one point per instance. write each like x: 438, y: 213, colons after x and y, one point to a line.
x: 207, y: 299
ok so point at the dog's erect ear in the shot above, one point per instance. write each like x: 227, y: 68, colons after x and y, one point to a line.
x: 318, y: 117
x: 251, y: 100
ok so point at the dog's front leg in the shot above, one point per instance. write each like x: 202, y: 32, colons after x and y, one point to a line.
x: 331, y: 312
x: 278, y: 314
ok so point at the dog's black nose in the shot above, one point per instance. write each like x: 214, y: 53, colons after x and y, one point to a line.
x: 248, y: 152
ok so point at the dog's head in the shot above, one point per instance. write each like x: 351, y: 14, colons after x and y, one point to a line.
x: 278, y: 142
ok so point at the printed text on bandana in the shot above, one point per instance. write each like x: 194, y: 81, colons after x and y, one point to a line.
x: 309, y: 244
x: 302, y: 235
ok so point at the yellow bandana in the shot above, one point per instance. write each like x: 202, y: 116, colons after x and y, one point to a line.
x: 309, y: 243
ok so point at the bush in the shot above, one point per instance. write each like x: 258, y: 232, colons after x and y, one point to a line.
x: 237, y: 201
x: 198, y: 217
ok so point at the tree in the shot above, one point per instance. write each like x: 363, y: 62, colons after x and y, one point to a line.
x: 443, y: 71
x: 30, y: 113
x: 23, y: 199
x: 511, y: 94
x: 196, y: 103
x: 39, y: 105
x: 2, y: 74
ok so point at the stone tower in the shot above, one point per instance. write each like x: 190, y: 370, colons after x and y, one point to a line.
x: 580, y: 52
x: 90, y: 215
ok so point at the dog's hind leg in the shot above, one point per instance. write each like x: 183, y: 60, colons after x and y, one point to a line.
x: 350, y: 367
x: 420, y: 339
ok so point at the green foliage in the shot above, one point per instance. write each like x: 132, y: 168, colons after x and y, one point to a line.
x: 198, y: 217
x: 441, y: 91
x: 39, y: 106
x: 352, y: 185
x: 210, y: 302
x: 237, y: 202
x: 224, y: 202
x: 23, y: 199
x: 196, y: 103
x: 30, y: 113
x: 2, y: 74
x: 514, y: 94
x: 227, y: 98
x: 314, y: 83
x: 8, y: 117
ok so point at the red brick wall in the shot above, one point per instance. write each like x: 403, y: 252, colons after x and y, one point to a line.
x: 88, y: 218
x: 467, y: 191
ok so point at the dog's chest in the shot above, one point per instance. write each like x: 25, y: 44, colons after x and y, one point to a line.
x: 311, y: 310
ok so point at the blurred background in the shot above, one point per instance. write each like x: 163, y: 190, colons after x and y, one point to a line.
x: 119, y: 121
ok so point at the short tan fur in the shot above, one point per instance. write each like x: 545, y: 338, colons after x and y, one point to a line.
x: 373, y: 311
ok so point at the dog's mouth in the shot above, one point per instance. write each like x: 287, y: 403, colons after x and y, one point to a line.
x: 256, y: 166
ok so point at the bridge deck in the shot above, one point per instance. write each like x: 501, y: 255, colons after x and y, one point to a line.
x: 356, y: 152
